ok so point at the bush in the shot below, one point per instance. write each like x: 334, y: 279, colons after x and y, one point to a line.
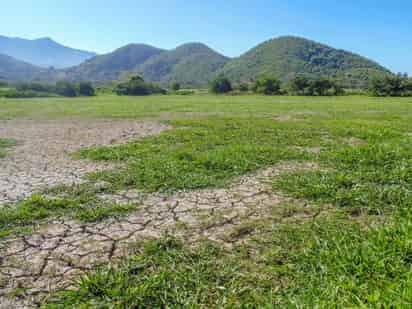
x: 86, y: 89
x: 391, y: 86
x: 136, y: 86
x: 25, y: 94
x: 243, y: 87
x: 34, y: 86
x: 175, y: 86
x: 220, y: 85
x: 268, y: 86
x: 66, y: 89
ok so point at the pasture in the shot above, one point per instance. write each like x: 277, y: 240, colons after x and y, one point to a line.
x: 206, y: 201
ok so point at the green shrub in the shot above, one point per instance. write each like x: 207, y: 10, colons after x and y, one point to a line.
x: 301, y: 85
x: 25, y: 94
x: 175, y: 86
x: 66, y: 89
x: 268, y: 86
x: 86, y: 89
x: 136, y: 86
x: 391, y: 86
x: 220, y: 84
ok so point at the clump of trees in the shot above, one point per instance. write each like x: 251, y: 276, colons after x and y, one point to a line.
x: 268, y: 86
x: 220, y: 85
x: 301, y: 85
x: 137, y: 86
x: 391, y: 86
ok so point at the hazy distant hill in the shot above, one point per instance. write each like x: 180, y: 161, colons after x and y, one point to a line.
x: 12, y: 69
x: 43, y: 52
x: 113, y: 65
x: 190, y: 64
x: 287, y: 56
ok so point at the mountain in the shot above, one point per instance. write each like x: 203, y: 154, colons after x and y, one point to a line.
x: 43, y: 52
x: 15, y: 70
x: 190, y: 64
x: 288, y: 56
x: 114, y: 65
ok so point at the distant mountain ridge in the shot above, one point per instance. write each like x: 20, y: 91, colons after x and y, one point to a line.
x: 12, y: 69
x: 194, y: 64
x: 191, y: 64
x: 43, y: 52
x: 114, y: 65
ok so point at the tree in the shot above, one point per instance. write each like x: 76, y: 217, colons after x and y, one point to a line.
x: 268, y: 86
x: 220, y: 84
x: 86, y: 89
x: 390, y: 86
x: 175, y: 86
x: 66, y: 89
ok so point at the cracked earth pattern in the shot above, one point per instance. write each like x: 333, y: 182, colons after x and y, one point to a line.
x: 53, y: 255
x: 42, y: 156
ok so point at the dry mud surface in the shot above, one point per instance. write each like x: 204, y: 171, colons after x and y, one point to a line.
x: 58, y: 251
x: 42, y: 155
x: 54, y: 255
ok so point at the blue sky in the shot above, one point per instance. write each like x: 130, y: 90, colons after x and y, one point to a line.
x: 377, y: 29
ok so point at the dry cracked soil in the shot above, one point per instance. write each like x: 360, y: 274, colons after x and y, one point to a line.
x: 32, y: 266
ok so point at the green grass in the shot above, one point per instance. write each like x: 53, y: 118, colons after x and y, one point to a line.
x: 180, y: 106
x: 356, y: 253
x: 327, y: 263
x: 203, y: 153
x: 4, y: 144
x: 77, y: 202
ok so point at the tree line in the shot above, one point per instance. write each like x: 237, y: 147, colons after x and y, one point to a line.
x: 61, y: 88
x: 379, y: 86
x: 299, y: 85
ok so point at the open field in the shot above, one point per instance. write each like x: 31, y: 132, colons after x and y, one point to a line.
x: 206, y: 201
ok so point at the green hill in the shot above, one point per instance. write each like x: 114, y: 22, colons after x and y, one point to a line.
x: 288, y: 56
x: 114, y: 65
x: 191, y: 64
x: 13, y: 70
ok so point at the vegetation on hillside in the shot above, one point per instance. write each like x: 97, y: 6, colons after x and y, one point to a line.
x: 12, y: 69
x: 287, y: 57
x: 112, y: 66
x: 192, y: 64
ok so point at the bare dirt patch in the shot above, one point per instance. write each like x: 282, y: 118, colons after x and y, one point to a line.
x: 51, y: 256
x: 42, y: 156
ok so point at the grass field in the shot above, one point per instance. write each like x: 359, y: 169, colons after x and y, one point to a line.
x: 343, y: 240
